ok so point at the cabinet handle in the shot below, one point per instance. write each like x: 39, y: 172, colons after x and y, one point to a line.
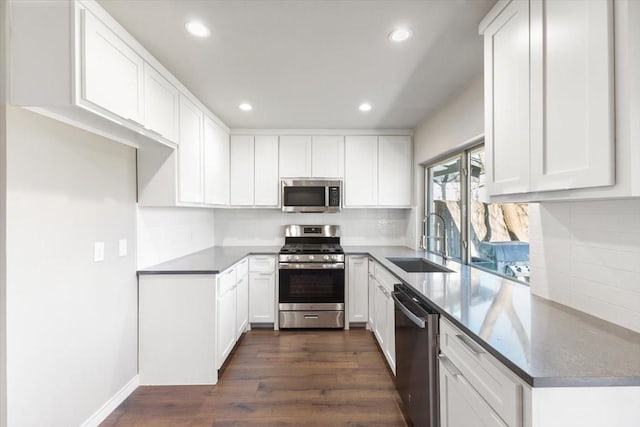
x: 471, y: 345
x: 311, y: 316
x: 448, y: 364
x: 265, y: 274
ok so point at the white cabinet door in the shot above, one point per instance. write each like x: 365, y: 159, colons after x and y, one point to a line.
x: 572, y: 127
x: 216, y: 164
x: 266, y: 171
x: 372, y: 287
x: 460, y: 404
x: 262, y: 297
x: 394, y: 170
x: 242, y: 305
x: 361, y: 171
x: 358, y: 288
x: 327, y: 156
x: 295, y: 156
x: 380, y: 315
x: 242, y: 170
x: 160, y: 105
x: 226, y: 307
x: 506, y: 71
x: 190, y: 153
x: 390, y: 342
x: 112, y: 72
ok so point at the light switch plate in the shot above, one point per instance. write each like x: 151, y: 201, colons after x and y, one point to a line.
x: 122, y: 247
x: 98, y: 252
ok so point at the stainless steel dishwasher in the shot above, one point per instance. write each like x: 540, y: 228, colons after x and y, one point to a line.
x: 416, y: 358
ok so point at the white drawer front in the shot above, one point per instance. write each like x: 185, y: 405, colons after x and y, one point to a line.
x: 226, y: 281
x: 262, y: 264
x: 242, y: 269
x: 385, y: 278
x: 484, y: 373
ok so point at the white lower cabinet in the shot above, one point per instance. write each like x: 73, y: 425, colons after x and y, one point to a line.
x: 383, y: 314
x: 242, y: 297
x: 371, y: 285
x: 262, y: 289
x: 358, y: 282
x: 226, y: 308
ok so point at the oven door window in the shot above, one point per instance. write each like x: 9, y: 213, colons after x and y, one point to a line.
x: 311, y: 286
x: 304, y: 196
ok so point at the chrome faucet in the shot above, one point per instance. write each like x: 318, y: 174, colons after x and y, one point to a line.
x: 423, y: 240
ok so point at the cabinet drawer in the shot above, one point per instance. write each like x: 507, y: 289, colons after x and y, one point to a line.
x: 242, y: 269
x: 226, y: 281
x: 385, y: 278
x: 484, y: 373
x: 262, y: 264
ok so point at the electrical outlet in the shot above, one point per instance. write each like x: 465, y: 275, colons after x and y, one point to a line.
x: 98, y: 252
x: 122, y: 247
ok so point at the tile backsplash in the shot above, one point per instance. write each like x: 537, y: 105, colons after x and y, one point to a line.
x: 263, y: 227
x: 587, y: 255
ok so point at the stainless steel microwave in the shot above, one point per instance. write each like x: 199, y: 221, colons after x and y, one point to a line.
x: 311, y: 195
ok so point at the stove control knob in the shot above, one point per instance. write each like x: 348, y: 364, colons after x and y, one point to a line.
x: 326, y: 257
x: 296, y: 257
x: 311, y: 257
x: 334, y: 257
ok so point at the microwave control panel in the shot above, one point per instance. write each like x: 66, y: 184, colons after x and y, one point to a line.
x: 334, y: 196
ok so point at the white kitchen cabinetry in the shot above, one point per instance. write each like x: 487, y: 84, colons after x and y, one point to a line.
x: 361, y: 171
x: 226, y: 310
x: 549, y: 122
x: 254, y: 170
x: 216, y: 163
x: 262, y: 289
x: 383, y: 313
x: 161, y: 100
x: 190, y: 180
x: 327, y: 156
x: 394, y: 171
x: 378, y: 171
x: 177, y: 329
x: 112, y: 72
x: 242, y: 297
x: 371, y: 284
x: 295, y: 156
x: 358, y: 275
x: 266, y: 182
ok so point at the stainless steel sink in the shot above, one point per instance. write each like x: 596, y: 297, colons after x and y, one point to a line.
x: 418, y: 265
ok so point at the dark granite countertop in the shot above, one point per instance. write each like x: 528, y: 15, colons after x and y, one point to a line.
x: 544, y: 343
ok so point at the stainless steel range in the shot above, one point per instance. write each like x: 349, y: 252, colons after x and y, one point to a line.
x: 311, y: 284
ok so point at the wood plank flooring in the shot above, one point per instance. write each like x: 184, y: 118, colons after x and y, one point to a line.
x: 280, y: 378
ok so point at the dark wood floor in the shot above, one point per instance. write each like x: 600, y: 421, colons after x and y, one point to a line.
x: 286, y: 378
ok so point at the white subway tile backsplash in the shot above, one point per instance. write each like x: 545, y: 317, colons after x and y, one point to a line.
x: 587, y: 255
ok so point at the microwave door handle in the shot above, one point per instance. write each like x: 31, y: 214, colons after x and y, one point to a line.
x: 326, y: 195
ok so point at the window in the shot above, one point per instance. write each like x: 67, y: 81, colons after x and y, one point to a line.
x: 491, y: 236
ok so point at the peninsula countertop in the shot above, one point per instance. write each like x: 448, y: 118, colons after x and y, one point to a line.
x: 544, y: 343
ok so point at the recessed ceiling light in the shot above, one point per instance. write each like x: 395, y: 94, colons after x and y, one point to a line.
x: 245, y: 107
x: 399, y: 35
x: 365, y: 107
x: 197, y: 29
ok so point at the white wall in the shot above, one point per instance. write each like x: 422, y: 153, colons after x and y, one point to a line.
x: 166, y: 233
x: 264, y: 227
x: 71, y: 323
x: 3, y: 216
x: 587, y: 255
x: 458, y: 122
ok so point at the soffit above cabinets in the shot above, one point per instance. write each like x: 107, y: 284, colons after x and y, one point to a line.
x: 310, y: 64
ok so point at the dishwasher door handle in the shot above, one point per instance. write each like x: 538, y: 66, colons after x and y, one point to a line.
x: 419, y: 321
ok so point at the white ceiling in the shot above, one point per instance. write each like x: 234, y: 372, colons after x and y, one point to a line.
x: 309, y: 64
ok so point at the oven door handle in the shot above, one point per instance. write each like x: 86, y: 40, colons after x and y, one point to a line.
x: 311, y: 266
x: 419, y: 321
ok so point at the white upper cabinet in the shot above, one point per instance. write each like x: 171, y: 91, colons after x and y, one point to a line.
x: 549, y: 91
x: 394, y: 171
x: 242, y: 170
x: 160, y: 105
x: 572, y: 126
x: 266, y: 171
x: 327, y: 156
x: 216, y: 164
x: 112, y: 72
x: 295, y: 156
x: 190, y: 180
x: 506, y: 50
x: 361, y: 171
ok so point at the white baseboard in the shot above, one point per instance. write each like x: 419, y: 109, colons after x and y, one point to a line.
x: 101, y: 414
